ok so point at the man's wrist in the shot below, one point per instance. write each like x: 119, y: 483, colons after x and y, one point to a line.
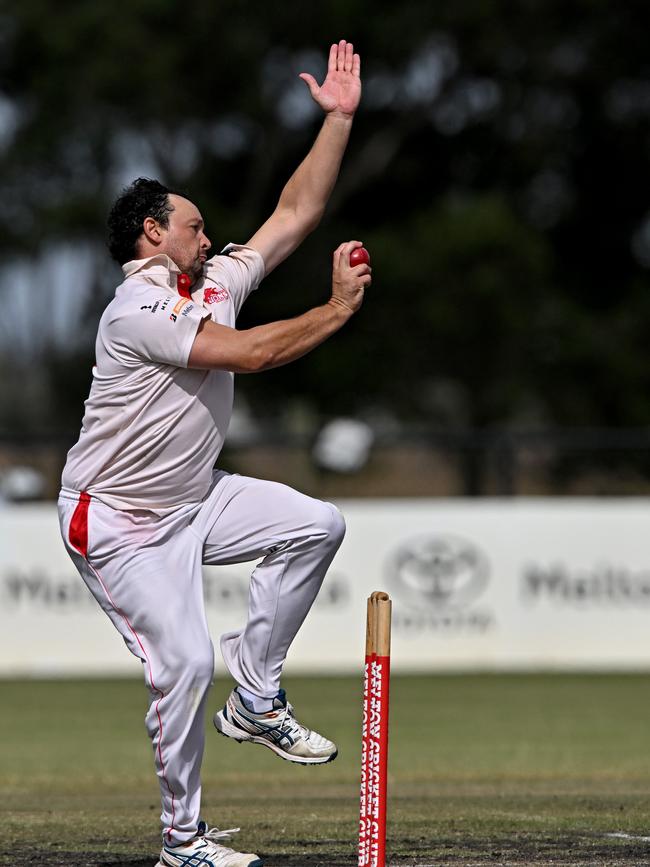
x: 340, y: 308
x: 339, y: 117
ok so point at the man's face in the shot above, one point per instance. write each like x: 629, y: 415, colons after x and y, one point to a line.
x: 185, y: 241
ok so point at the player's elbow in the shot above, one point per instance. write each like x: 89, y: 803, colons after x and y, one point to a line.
x: 257, y: 358
x: 301, y: 218
x: 311, y: 213
x: 310, y: 219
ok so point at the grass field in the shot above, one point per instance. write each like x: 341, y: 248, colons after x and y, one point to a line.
x: 491, y: 769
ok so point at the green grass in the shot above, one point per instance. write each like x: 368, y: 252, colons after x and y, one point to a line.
x: 483, y: 769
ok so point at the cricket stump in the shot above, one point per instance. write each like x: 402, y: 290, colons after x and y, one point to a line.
x: 374, y: 740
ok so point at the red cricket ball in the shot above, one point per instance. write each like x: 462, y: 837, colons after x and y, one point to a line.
x: 359, y: 256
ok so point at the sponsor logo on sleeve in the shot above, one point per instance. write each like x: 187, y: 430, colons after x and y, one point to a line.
x: 178, y: 307
x: 215, y: 294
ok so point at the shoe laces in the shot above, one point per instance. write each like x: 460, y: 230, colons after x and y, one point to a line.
x: 289, y: 721
x: 214, y: 834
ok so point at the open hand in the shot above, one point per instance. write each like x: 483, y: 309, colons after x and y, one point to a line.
x: 341, y: 90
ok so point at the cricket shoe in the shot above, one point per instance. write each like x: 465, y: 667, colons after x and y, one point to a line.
x: 277, y: 729
x: 204, y: 851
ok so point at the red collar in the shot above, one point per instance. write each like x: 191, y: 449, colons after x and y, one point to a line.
x: 183, y: 285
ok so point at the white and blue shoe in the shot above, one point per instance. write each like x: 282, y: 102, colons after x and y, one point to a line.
x: 277, y: 729
x: 204, y: 851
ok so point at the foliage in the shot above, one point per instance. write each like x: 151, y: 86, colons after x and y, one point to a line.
x: 495, y: 173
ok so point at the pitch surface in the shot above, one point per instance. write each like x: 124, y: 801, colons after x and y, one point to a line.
x: 492, y: 769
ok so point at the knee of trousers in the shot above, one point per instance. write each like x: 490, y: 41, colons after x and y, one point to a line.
x: 332, y: 525
x: 185, y: 665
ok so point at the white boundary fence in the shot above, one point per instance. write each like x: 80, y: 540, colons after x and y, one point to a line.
x: 476, y: 584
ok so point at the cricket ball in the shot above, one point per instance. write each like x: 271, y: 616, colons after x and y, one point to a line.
x: 359, y: 256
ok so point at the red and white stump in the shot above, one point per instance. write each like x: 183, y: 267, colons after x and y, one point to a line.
x: 374, y: 743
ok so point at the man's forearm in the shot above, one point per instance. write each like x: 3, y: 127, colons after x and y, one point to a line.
x: 279, y: 343
x: 308, y: 190
x: 218, y: 347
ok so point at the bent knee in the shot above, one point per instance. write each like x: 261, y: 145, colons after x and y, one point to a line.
x: 333, y: 524
x: 189, y: 664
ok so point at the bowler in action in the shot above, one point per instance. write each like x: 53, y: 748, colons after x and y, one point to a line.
x: 142, y: 507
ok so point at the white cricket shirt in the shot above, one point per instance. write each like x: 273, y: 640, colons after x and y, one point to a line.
x: 152, y: 428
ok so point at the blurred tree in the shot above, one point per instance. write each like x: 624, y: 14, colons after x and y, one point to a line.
x: 497, y: 174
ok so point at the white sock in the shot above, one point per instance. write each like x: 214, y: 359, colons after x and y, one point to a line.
x: 253, y: 702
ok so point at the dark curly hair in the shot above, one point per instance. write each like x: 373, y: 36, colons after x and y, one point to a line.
x: 143, y: 198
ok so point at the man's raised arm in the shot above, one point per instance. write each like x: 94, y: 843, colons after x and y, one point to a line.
x: 303, y: 200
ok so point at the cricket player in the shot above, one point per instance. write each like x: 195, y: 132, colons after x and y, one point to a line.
x: 141, y: 505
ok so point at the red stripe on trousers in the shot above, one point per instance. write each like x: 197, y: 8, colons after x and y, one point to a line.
x: 78, y: 536
x: 78, y: 532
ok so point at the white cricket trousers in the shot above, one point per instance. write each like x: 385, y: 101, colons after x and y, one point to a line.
x: 145, y: 572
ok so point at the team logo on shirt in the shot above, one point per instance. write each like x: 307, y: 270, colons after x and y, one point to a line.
x: 214, y: 294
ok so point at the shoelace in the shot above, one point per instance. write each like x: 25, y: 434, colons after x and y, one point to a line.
x: 294, y: 724
x: 214, y: 834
